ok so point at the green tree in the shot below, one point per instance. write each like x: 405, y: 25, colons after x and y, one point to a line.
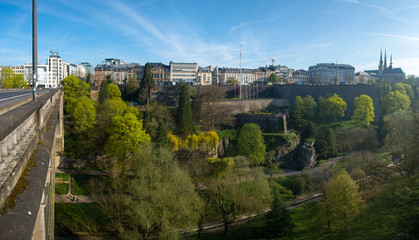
x: 159, y: 197
x: 394, y: 101
x: 126, y: 136
x: 341, y: 202
x: 239, y: 190
x: 405, y: 89
x: 89, y: 79
x: 184, y: 124
x: 73, y: 89
x: 309, y: 109
x: 113, y: 91
x: 6, y: 75
x: 325, y: 143
x: 84, y: 114
x: 297, y: 113
x: 103, y: 92
x: 250, y: 143
x: 394, y: 212
x: 331, y: 109
x: 273, y: 78
x: 232, y: 81
x: 147, y: 83
x: 279, y: 218
x: 364, y: 111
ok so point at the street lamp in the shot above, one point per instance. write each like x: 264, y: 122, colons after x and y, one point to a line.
x: 56, y: 54
x: 34, y: 50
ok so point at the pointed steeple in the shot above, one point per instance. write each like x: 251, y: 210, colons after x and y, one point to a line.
x: 380, y: 66
x: 391, y: 59
x: 385, y: 59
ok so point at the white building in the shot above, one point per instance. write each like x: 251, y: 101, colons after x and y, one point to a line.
x: 183, y: 73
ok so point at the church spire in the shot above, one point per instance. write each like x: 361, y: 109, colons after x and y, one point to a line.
x: 385, y: 59
x: 391, y: 59
x: 380, y: 66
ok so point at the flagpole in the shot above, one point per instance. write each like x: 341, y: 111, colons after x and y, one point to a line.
x: 240, y: 71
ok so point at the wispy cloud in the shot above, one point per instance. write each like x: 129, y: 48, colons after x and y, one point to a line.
x: 383, y: 10
x: 404, y: 37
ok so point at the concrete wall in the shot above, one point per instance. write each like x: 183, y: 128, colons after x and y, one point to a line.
x: 22, y: 130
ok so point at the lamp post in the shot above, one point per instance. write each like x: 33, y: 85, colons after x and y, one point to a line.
x: 56, y: 54
x: 34, y: 50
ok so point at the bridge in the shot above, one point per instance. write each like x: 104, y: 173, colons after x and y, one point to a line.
x: 31, y: 135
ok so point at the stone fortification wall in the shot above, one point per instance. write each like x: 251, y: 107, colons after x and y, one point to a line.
x: 284, y: 95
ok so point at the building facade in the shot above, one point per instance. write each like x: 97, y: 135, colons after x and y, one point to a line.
x: 183, y: 73
x: 331, y: 73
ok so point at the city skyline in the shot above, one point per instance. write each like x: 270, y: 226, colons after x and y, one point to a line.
x: 297, y: 34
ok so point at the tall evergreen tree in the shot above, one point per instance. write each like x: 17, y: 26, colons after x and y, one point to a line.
x: 184, y: 112
x: 279, y: 217
x: 147, y: 83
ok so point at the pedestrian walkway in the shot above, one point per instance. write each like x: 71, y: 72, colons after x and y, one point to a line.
x: 69, y: 199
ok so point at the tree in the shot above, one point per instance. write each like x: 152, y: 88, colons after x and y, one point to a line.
x: 239, y: 190
x: 309, y: 109
x: 232, y: 81
x: 325, y: 143
x: 103, y: 92
x: 73, y: 89
x: 405, y: 89
x: 6, y: 75
x: 184, y: 124
x: 206, y: 107
x: 394, y: 101
x: 84, y: 114
x: 126, y: 136
x: 273, y: 78
x: 364, y: 111
x: 159, y: 197
x: 279, y: 218
x: 89, y: 79
x: 11, y: 80
x: 250, y: 143
x: 297, y: 113
x: 112, y: 91
x: 147, y: 83
x: 402, y: 129
x: 341, y: 202
x: 394, y: 212
x: 331, y: 109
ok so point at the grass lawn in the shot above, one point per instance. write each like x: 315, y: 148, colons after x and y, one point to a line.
x: 61, y: 188
x: 62, y: 176
x: 78, y: 217
x: 342, y: 124
x: 80, y: 183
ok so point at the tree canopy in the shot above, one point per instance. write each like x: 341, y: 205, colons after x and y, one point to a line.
x: 250, y: 143
x: 331, y: 109
x: 232, y: 81
x: 394, y: 101
x: 184, y: 122
x: 364, y: 111
x: 146, y: 83
x: 11, y: 80
x: 113, y: 91
x: 126, y: 136
x: 273, y: 78
x: 84, y: 114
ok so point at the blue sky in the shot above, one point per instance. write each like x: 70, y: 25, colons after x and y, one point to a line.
x: 297, y: 33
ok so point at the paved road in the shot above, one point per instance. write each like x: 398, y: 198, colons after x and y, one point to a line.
x: 10, y: 99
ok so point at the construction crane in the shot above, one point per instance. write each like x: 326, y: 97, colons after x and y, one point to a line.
x: 272, y: 61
